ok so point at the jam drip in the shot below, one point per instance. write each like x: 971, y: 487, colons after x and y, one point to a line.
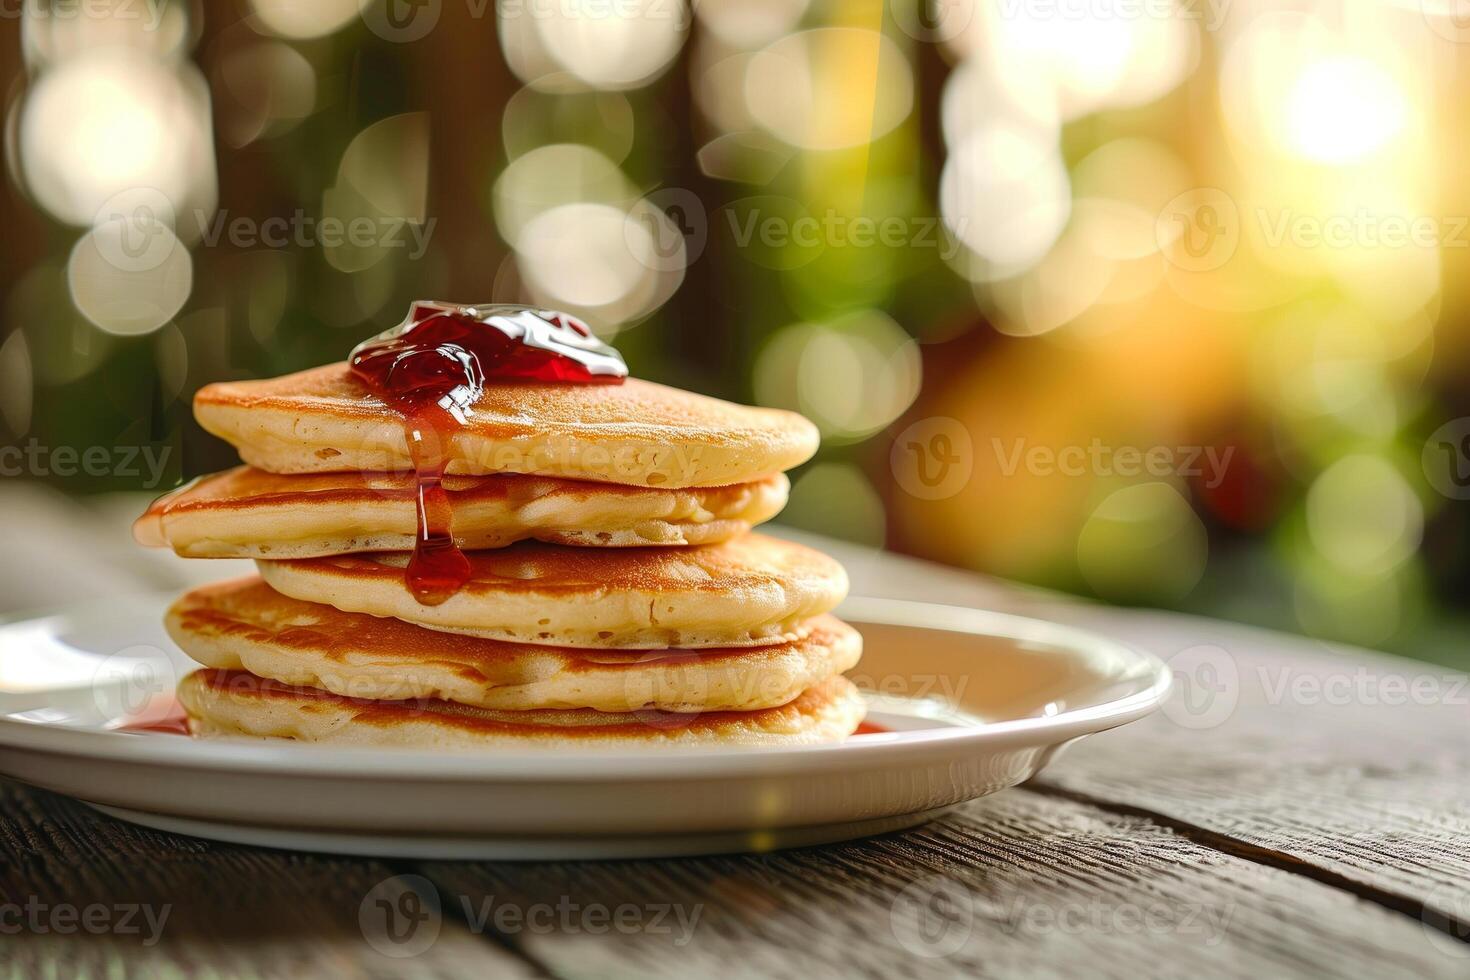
x: 437, y: 567
x: 433, y: 368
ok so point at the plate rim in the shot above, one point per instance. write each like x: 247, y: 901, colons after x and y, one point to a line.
x: 1151, y: 677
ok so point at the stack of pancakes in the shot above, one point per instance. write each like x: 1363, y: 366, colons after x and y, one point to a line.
x: 616, y: 593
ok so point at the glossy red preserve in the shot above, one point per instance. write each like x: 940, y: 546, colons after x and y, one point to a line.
x: 433, y: 368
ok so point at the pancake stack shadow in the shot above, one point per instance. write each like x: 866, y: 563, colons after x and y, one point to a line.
x: 625, y: 603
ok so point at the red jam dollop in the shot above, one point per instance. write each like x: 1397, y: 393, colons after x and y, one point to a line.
x: 433, y: 367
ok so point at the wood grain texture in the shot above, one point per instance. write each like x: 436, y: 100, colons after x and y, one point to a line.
x: 1354, y: 764
x: 219, y: 909
x: 1273, y: 830
x: 1017, y: 884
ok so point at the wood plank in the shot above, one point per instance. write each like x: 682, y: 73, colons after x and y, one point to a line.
x: 1363, y: 793
x: 1354, y: 763
x: 1018, y: 883
x: 202, y: 907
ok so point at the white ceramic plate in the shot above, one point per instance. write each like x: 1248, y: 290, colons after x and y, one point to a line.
x: 974, y: 702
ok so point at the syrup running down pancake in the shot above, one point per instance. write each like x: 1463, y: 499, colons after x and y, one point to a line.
x: 479, y: 532
x: 748, y: 591
x: 432, y: 369
x: 245, y: 624
x: 434, y: 372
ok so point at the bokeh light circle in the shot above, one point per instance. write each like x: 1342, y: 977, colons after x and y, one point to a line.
x: 1362, y: 515
x: 830, y: 88
x: 851, y: 376
x: 110, y: 120
x: 1143, y: 542
x: 128, y: 301
x: 300, y: 19
x: 1006, y: 195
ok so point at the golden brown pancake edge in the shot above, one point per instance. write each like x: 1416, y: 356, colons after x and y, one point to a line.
x: 637, y: 433
x: 750, y: 590
x: 248, y: 513
x: 244, y: 624
x: 237, y: 703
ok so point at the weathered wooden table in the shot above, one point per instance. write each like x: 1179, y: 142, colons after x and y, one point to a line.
x: 1297, y: 811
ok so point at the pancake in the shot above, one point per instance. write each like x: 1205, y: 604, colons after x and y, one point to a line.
x: 248, y: 513
x: 751, y: 590
x: 237, y: 703
x: 245, y: 624
x: 636, y: 433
